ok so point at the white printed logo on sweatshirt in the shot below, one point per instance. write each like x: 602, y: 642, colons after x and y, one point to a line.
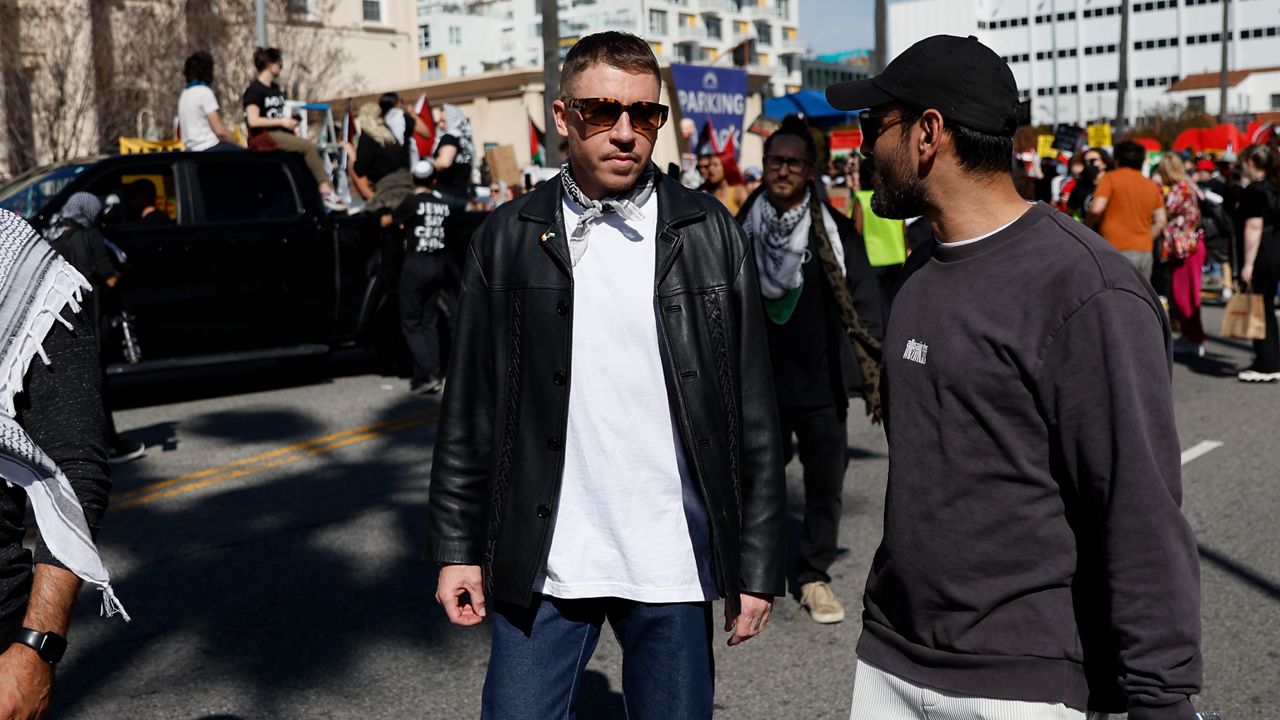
x: 916, y: 351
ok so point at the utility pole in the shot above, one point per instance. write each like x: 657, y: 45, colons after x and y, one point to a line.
x: 1123, y: 93
x: 1222, y: 80
x: 260, y: 14
x: 550, y: 78
x: 882, y: 37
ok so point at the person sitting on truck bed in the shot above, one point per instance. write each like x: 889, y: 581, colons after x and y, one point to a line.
x: 198, y: 117
x: 271, y: 129
x: 382, y: 159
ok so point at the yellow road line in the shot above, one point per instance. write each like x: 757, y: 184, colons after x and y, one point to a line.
x: 191, y: 482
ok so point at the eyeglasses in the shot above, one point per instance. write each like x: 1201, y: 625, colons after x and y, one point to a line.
x: 873, y: 123
x: 794, y: 164
x: 605, y: 112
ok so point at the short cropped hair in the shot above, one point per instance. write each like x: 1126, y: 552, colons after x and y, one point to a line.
x: 613, y: 48
x: 1130, y: 155
x: 199, y: 68
x: 977, y: 152
x: 262, y: 57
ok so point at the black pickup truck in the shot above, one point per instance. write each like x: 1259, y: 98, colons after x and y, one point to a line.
x: 249, y: 265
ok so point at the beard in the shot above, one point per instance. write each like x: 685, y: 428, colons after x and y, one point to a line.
x: 899, y: 193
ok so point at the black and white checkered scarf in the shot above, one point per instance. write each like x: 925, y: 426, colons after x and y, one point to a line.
x: 36, y: 284
x: 629, y: 205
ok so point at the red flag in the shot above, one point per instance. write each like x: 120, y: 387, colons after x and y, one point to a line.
x: 708, y: 145
x: 426, y: 145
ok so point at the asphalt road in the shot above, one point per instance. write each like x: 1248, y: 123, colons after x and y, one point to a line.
x: 271, y: 551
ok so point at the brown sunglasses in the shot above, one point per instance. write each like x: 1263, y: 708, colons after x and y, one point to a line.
x: 605, y: 112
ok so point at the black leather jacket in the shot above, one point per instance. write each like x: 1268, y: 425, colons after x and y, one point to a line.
x: 499, y: 452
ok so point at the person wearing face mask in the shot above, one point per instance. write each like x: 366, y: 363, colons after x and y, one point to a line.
x: 1035, y: 561
x: 608, y: 446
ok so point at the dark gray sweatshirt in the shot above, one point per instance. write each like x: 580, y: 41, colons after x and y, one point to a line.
x: 1034, y: 547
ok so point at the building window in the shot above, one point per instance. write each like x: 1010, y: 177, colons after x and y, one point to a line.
x: 299, y: 7
x: 657, y: 22
x: 455, y: 35
x: 424, y: 37
x: 372, y: 10
x: 1196, y: 102
x: 713, y: 27
x: 784, y: 8
x: 1275, y: 101
x: 764, y: 33
x: 431, y: 68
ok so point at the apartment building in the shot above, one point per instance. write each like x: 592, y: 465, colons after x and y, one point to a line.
x: 463, y: 38
x: 1065, y: 54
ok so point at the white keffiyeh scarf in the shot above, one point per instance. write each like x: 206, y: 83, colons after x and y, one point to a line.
x: 35, y: 285
x: 782, y: 243
x: 629, y: 206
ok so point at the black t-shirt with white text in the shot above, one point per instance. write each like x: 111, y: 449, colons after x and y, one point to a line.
x: 423, y: 216
x: 268, y: 98
x: 455, y: 179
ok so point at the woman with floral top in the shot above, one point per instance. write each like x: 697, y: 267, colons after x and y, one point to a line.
x: 1182, y: 246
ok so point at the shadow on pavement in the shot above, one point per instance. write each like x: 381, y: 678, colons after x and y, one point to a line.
x: 270, y: 586
x: 1241, y: 572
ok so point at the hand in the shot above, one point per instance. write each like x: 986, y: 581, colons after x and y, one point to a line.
x: 288, y: 123
x: 1246, y: 274
x: 26, y: 684
x: 755, y: 615
x: 455, y: 582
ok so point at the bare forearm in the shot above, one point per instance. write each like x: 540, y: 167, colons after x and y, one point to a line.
x: 53, y: 594
x: 1252, y: 241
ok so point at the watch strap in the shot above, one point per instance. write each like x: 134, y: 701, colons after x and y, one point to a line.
x: 48, y: 645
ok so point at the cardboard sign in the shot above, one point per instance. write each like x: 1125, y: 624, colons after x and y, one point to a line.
x: 1044, y: 146
x: 503, y: 165
x: 1067, y: 138
x: 1100, y: 135
x: 840, y: 199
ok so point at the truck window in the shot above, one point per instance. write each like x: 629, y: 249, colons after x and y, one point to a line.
x: 138, y: 195
x: 246, y: 191
x: 28, y: 194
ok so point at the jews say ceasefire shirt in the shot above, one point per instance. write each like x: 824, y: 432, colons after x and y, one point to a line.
x: 629, y: 522
x: 1033, y: 546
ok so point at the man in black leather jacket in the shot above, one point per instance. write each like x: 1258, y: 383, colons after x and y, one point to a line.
x: 608, y: 446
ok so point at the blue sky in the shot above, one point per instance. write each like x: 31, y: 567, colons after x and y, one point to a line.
x: 828, y: 26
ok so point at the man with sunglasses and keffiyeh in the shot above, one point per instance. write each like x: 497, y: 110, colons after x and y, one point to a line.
x: 608, y: 446
x: 825, y: 326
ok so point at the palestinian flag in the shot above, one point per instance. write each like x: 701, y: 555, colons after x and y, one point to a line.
x: 426, y: 145
x: 707, y: 145
x: 537, y: 141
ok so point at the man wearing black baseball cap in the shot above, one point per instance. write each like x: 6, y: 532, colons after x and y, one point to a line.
x: 1035, y: 562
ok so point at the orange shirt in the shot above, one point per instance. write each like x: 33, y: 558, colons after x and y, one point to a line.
x: 1132, y: 198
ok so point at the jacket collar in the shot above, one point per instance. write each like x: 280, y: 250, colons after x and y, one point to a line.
x: 676, y: 209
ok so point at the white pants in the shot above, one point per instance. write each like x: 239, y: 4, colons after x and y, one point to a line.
x: 879, y: 695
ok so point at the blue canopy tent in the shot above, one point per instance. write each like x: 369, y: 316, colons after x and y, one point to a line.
x: 810, y: 103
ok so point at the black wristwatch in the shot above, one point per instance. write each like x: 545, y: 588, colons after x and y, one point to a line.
x: 49, y: 645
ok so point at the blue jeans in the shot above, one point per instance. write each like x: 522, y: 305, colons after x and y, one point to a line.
x: 540, y: 652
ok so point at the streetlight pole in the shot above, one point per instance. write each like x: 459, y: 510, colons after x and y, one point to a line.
x: 882, y: 36
x: 1222, y: 79
x: 1123, y: 94
x: 550, y: 78
x: 260, y: 15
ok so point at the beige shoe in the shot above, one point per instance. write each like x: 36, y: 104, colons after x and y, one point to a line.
x: 817, y: 598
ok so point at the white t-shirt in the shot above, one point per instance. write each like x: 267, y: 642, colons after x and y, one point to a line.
x: 194, y: 105
x: 630, y: 522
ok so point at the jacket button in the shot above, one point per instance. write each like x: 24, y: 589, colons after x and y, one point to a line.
x: 553, y: 444
x: 558, y: 377
x: 562, y: 307
x: 544, y: 512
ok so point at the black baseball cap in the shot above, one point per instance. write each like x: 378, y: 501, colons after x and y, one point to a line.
x: 959, y: 77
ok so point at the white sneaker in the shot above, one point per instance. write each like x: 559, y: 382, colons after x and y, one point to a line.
x: 1253, y: 376
x: 333, y: 202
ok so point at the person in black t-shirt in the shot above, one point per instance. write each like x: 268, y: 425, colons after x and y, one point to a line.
x: 426, y: 269
x: 1258, y: 214
x: 454, y: 156
x: 271, y: 128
